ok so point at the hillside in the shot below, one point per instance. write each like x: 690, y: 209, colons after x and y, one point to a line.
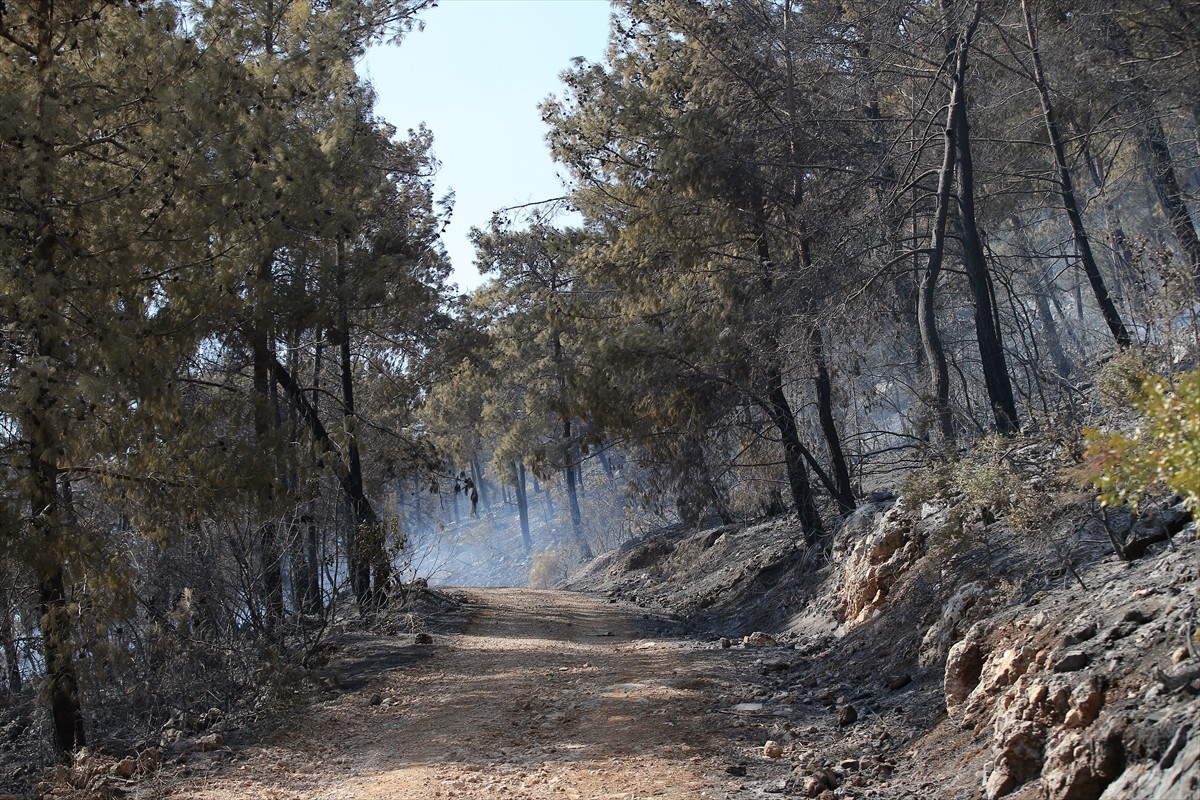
x: 727, y: 663
x: 906, y: 670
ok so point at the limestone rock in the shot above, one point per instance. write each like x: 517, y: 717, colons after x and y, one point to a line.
x: 760, y: 639
x: 875, y: 563
x: 1017, y: 759
x: 772, y: 749
x: 1071, y: 661
x: 967, y: 605
x: 1086, y: 701
x: 1079, y: 767
x: 211, y: 742
x: 125, y: 768
x: 964, y: 665
x: 809, y: 786
x: 1177, y: 774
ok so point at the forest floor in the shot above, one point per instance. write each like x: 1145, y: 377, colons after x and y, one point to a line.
x: 543, y: 695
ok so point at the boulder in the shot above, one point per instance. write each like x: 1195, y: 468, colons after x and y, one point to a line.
x: 874, y: 564
x: 1079, y: 767
x: 964, y: 665
x: 966, y: 606
x: 1017, y: 758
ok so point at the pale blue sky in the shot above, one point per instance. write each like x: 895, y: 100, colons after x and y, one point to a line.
x: 475, y: 77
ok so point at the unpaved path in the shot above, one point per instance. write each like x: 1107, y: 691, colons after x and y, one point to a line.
x: 544, y: 695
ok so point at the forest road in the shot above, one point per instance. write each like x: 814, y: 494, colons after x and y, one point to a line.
x: 543, y: 695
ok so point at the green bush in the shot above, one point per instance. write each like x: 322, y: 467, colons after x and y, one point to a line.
x: 1162, y: 452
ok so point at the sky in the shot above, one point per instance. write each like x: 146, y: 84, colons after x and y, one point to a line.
x: 475, y: 76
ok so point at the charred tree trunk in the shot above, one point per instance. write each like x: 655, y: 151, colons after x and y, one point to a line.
x: 987, y: 328
x: 477, y: 476
x: 522, y: 504
x: 364, y: 546
x: 1091, y: 269
x: 364, y: 513
x: 931, y: 340
x: 8, y: 640
x: 780, y: 412
x: 1152, y: 139
x: 39, y: 412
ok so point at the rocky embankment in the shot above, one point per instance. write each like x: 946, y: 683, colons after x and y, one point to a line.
x: 925, y: 659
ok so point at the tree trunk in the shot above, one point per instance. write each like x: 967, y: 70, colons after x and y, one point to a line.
x: 477, y: 476
x: 1108, y: 309
x: 931, y: 340
x: 8, y: 640
x: 362, y: 542
x: 1152, y: 139
x: 987, y: 329
x: 780, y: 411
x: 364, y: 514
x: 843, y: 491
x: 39, y: 415
x: 522, y: 505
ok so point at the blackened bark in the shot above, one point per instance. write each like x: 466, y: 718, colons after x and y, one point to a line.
x: 8, y: 640
x: 1108, y: 308
x: 477, y: 476
x: 931, y: 340
x: 1152, y: 138
x: 780, y: 411
x: 522, y: 504
x: 365, y: 547
x: 62, y: 683
x: 987, y: 330
x: 270, y: 562
x: 364, y: 513
x: 842, y: 489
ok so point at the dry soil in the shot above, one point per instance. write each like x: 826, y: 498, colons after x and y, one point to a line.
x: 543, y: 695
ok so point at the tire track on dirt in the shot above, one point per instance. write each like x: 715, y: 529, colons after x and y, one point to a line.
x: 544, y: 695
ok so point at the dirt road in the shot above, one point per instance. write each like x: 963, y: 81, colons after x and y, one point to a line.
x: 544, y: 695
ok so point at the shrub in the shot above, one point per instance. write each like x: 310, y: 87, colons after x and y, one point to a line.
x: 1163, y: 451
x: 547, y: 571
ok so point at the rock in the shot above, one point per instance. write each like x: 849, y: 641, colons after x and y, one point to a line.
x: 964, y: 665
x: 1083, y: 633
x: 770, y: 665
x: 748, y: 708
x: 1176, y: 774
x: 760, y: 639
x: 772, y: 749
x: 149, y: 760
x: 125, y: 768
x: 967, y: 605
x: 1080, y: 768
x: 875, y: 563
x: 375, y: 699
x: 1071, y: 661
x: 726, y: 643
x: 736, y: 770
x: 1086, y: 701
x: 847, y: 715
x: 829, y: 778
x: 809, y: 786
x: 211, y: 742
x: 423, y: 638
x: 898, y: 681
x: 1017, y: 758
